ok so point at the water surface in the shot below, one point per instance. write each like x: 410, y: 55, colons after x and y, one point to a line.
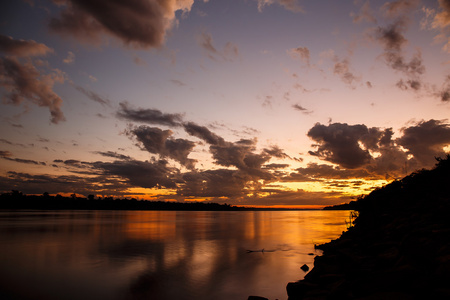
x: 158, y: 254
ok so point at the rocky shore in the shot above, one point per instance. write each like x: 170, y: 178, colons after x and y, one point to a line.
x: 398, y: 248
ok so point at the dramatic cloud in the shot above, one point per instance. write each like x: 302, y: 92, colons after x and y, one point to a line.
x: 343, y: 144
x: 372, y: 153
x: 136, y: 23
x: 25, y: 82
x: 425, y: 140
x: 276, y: 151
x: 215, y: 183
x: 139, y: 173
x: 22, y: 48
x: 315, y: 171
x: 150, y: 116
x: 39, y: 184
x: 203, y: 133
x: 94, y: 96
x: 300, y: 197
x: 158, y: 141
x: 239, y: 154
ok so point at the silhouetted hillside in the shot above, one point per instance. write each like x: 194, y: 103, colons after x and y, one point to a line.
x: 398, y: 248
x: 419, y: 187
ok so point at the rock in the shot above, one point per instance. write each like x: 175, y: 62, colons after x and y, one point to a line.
x: 305, y: 268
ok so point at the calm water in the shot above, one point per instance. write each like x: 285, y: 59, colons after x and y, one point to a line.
x: 158, y: 254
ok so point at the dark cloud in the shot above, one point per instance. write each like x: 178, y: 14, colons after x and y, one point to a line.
x: 302, y: 109
x: 409, y: 84
x: 150, y: 116
x: 113, y: 155
x: 94, y: 96
x: 23, y: 81
x: 276, y: 151
x: 215, y: 183
x: 8, y: 156
x: 276, y: 166
x: 5, y: 154
x: 146, y: 174
x: 340, y: 144
x: 321, y: 171
x: 371, y: 153
x: 38, y: 184
x: 240, y: 154
x: 136, y: 23
x: 444, y: 93
x: 22, y: 48
x: 300, y: 197
x: 203, y: 133
x: 158, y: 141
x: 425, y: 140
x: 392, y: 36
x: 127, y: 171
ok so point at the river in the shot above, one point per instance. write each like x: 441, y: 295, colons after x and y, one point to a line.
x: 160, y: 255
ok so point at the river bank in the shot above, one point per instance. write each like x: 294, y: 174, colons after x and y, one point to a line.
x: 398, y: 248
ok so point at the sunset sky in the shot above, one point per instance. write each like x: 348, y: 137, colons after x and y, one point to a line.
x: 245, y: 102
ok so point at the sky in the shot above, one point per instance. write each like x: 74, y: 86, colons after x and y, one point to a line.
x: 246, y: 102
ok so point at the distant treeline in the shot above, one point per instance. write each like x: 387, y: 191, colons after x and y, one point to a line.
x: 420, y: 186
x: 17, y: 200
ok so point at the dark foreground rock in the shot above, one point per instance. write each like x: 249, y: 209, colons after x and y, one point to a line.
x: 399, y: 247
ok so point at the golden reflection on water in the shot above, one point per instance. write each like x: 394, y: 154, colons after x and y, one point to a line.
x: 160, y: 254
